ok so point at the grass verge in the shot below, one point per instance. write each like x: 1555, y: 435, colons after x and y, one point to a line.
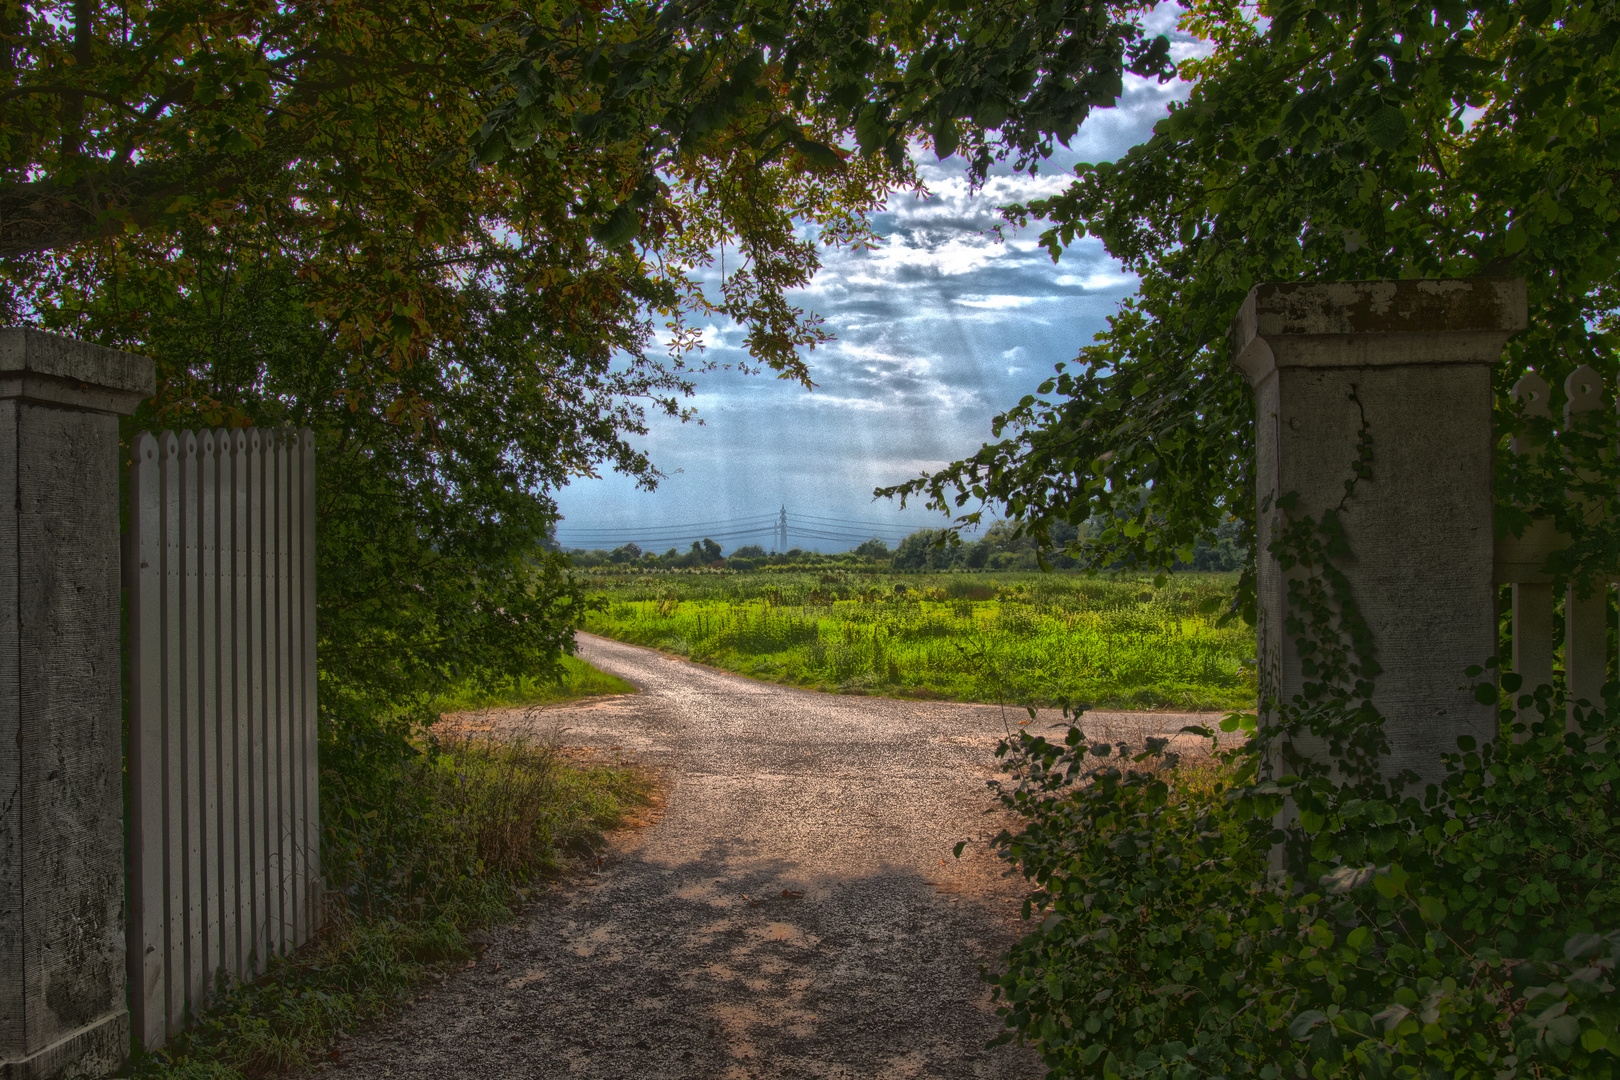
x: 480, y: 822
x: 579, y: 680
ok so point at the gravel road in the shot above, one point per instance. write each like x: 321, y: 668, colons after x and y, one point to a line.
x: 793, y: 911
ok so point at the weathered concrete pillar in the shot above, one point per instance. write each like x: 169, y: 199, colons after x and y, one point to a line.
x: 62, y: 1005
x: 1417, y: 358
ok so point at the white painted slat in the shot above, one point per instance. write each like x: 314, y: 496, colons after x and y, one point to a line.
x: 1533, y: 615
x: 271, y: 699
x: 293, y: 679
x: 208, y: 707
x: 242, y: 712
x: 257, y: 801
x: 1533, y: 639
x: 225, y: 701
x: 174, y: 892
x: 147, y: 954
x: 191, y: 727
x: 1586, y: 648
x: 312, y: 773
x: 1586, y: 644
x: 284, y: 792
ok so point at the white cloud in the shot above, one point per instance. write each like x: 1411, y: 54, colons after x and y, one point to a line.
x: 943, y: 325
x: 997, y: 302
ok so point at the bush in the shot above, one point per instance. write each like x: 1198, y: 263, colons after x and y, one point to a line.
x: 1460, y: 934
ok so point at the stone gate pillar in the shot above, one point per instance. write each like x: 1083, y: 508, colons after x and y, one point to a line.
x: 62, y: 1005
x: 1417, y: 358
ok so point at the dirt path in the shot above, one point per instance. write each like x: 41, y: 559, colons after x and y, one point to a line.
x: 692, y: 952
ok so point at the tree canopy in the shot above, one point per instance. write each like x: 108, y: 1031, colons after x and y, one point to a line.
x: 1325, y: 140
x: 466, y: 241
x: 411, y: 141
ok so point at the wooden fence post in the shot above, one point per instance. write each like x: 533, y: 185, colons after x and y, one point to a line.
x: 62, y: 939
x: 1407, y: 364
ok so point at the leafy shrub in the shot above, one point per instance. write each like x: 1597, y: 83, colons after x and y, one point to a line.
x: 1460, y: 934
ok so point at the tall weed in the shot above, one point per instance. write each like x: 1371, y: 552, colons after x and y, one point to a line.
x: 423, y: 841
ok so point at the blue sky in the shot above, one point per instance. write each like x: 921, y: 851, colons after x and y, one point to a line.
x: 937, y: 330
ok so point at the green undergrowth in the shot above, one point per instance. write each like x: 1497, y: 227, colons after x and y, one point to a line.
x: 451, y: 837
x: 577, y: 679
x: 1040, y: 638
x: 1462, y: 930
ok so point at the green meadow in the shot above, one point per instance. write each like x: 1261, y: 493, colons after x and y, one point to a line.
x: 1018, y: 638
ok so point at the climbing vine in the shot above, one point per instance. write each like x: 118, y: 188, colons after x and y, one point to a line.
x: 1284, y: 910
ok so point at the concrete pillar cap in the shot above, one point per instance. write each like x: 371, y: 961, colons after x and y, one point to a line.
x: 1375, y: 323
x: 56, y: 370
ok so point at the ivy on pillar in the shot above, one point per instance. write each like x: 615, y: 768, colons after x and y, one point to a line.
x: 1403, y: 367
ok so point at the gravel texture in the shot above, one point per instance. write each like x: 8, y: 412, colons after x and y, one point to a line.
x: 792, y: 909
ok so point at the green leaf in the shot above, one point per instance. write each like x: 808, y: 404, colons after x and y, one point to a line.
x: 619, y: 227
x: 1392, y: 882
x: 1387, y: 128
x: 1580, y: 946
x: 870, y: 130
x: 1301, y: 1026
x: 818, y: 154
x: 1563, y: 1030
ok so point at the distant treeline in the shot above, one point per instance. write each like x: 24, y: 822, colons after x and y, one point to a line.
x: 1000, y: 548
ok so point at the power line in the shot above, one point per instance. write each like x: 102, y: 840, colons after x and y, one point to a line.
x: 861, y: 534
x: 853, y: 531
x: 845, y: 540
x: 856, y: 521
x: 667, y: 527
x: 665, y: 530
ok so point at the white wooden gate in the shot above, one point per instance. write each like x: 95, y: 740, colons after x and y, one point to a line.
x: 1519, y: 562
x: 224, y: 850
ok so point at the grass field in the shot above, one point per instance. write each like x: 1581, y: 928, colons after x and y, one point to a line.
x: 1014, y: 637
